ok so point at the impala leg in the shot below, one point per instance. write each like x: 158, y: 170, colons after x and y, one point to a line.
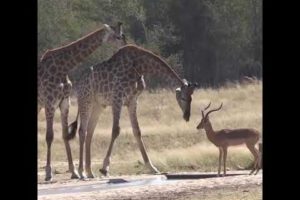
x: 220, y: 160
x: 64, y: 110
x: 90, y: 132
x: 257, y: 168
x: 254, y: 152
x: 116, y: 109
x: 49, y: 111
x: 259, y: 164
x: 137, y: 133
x: 224, y: 159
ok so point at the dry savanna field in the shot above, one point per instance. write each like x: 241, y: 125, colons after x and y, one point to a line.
x: 173, y: 144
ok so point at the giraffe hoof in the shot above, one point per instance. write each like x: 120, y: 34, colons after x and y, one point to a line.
x: 82, y: 175
x: 74, y: 175
x: 152, y: 169
x: 104, y: 172
x: 91, y: 175
x: 156, y: 172
x: 48, y: 178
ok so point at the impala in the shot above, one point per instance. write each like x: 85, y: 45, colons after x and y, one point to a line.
x: 230, y: 137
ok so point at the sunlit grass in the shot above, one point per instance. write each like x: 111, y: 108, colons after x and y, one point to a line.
x: 172, y: 143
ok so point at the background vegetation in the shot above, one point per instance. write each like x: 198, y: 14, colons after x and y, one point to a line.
x: 207, y: 41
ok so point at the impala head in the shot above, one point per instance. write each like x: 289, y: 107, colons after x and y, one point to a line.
x: 205, y: 118
x: 115, y: 34
x: 184, y: 98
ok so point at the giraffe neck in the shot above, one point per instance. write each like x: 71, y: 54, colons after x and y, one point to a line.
x: 146, y: 62
x: 69, y: 56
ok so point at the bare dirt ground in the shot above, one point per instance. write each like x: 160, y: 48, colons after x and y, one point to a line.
x: 229, y: 187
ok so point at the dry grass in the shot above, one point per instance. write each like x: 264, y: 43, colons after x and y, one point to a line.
x: 173, y: 144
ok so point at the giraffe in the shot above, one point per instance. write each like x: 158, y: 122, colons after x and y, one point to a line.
x: 118, y: 82
x: 54, y: 86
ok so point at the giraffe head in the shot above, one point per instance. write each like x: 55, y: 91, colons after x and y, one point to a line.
x: 184, y: 98
x: 114, y: 34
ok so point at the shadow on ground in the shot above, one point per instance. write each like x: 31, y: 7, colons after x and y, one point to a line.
x: 196, y: 176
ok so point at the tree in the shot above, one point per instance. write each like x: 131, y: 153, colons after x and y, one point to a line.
x: 208, y: 41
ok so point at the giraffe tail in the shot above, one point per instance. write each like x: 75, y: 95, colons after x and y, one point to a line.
x: 72, y: 129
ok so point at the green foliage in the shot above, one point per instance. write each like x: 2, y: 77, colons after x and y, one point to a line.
x: 208, y: 41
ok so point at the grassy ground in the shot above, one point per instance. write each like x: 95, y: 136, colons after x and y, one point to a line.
x: 173, y: 145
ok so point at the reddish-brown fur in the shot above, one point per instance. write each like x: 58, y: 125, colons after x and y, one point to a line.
x: 230, y: 137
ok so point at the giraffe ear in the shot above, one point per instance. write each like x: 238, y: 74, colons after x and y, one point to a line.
x: 120, y: 27
x: 106, y: 26
x: 185, y: 82
x: 124, y: 39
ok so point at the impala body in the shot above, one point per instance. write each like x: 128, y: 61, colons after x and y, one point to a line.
x: 230, y: 137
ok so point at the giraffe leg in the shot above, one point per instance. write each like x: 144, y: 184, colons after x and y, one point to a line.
x: 137, y: 133
x: 84, y: 118
x: 254, y: 152
x: 220, y: 160
x: 224, y: 159
x: 39, y: 108
x: 64, y: 109
x: 49, y: 111
x: 90, y: 131
x: 116, y: 109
